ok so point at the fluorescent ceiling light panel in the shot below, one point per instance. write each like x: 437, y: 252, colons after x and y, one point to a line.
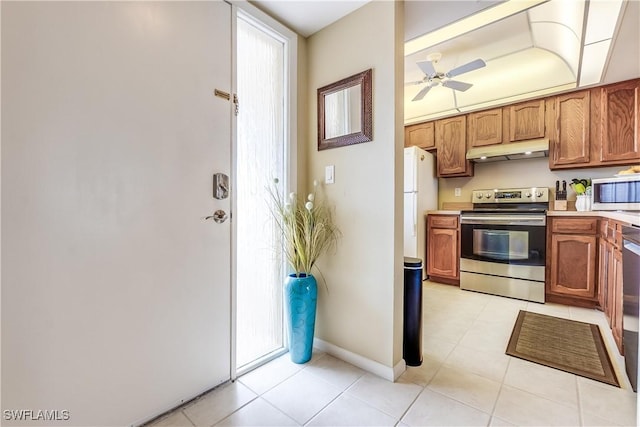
x: 469, y: 23
x: 594, y: 57
x: 602, y: 20
x: 601, y: 25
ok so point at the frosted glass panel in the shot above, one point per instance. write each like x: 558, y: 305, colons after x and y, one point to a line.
x: 260, y: 158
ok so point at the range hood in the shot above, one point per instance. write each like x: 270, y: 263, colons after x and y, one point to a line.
x: 510, y: 151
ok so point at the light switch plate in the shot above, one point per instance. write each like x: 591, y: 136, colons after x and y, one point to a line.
x: 329, y: 174
x: 458, y: 192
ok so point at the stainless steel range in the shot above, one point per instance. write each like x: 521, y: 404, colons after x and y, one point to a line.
x: 503, y: 243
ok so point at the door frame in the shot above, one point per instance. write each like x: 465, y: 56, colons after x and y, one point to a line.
x: 290, y: 39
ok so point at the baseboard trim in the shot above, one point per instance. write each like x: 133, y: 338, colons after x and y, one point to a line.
x: 376, y: 368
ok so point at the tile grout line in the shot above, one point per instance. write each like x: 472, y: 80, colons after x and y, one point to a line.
x: 413, y: 401
x: 333, y: 385
x: 277, y: 409
x: 502, y: 384
x: 238, y: 409
x: 580, y: 418
x: 306, y: 423
x: 187, y: 417
x: 274, y: 385
x: 344, y: 392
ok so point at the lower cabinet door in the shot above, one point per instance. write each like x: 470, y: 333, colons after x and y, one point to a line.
x: 443, y: 253
x: 573, y: 268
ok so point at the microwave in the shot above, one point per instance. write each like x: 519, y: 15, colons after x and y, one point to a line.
x: 620, y: 193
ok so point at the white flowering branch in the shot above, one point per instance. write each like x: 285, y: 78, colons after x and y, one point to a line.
x: 307, y: 227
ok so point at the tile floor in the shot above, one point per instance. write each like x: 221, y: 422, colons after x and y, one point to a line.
x: 465, y: 380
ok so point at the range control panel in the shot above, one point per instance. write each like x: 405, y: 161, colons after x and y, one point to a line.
x: 511, y: 195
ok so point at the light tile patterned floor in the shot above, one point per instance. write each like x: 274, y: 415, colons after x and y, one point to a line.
x: 465, y: 380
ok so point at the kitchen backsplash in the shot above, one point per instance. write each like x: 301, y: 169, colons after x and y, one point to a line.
x: 515, y: 173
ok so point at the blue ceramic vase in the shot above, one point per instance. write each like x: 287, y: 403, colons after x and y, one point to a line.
x: 301, y: 295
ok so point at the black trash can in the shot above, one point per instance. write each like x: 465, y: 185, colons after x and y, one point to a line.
x: 412, y: 337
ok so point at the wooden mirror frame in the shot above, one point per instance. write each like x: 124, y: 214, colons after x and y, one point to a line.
x: 366, y: 114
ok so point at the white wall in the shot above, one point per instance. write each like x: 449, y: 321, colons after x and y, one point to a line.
x: 362, y: 310
x: 109, y: 142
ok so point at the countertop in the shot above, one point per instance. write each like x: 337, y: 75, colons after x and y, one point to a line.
x: 629, y: 217
x: 442, y: 212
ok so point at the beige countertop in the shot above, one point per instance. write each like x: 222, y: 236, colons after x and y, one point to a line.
x: 629, y: 217
x: 442, y: 212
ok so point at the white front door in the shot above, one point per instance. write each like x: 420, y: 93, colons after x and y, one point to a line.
x: 115, y: 289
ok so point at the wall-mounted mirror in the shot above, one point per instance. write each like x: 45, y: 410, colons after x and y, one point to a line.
x: 344, y: 112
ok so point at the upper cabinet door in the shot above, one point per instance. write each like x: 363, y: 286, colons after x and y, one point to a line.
x: 485, y: 128
x: 420, y: 135
x: 526, y: 120
x: 451, y: 143
x: 570, y: 136
x: 620, y: 126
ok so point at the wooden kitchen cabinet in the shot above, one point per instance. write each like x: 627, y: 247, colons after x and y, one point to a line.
x: 616, y: 302
x: 526, y: 120
x: 586, y: 128
x: 485, y: 128
x: 584, y: 266
x: 451, y: 146
x: 443, y: 248
x: 610, y: 276
x: 420, y: 135
x: 619, y: 120
x: 569, y: 130
x: 594, y: 128
x: 571, y: 260
x: 604, y: 256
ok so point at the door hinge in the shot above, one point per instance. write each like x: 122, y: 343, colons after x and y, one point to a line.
x: 236, y: 103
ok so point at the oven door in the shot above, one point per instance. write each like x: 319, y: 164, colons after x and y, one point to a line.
x: 504, y: 238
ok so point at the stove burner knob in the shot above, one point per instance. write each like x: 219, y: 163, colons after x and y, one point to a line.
x: 479, y: 195
x: 488, y: 195
x: 539, y: 194
x: 527, y: 194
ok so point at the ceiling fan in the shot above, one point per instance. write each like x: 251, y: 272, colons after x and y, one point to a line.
x: 435, y: 78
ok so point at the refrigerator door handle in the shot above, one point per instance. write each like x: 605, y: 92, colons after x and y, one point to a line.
x: 415, y: 214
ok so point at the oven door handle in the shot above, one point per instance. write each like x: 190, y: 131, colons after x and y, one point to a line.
x: 504, y: 220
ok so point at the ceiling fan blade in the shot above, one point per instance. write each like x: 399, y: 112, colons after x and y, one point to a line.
x: 417, y: 82
x: 427, y: 67
x: 456, y: 85
x: 422, y: 93
x: 470, y: 66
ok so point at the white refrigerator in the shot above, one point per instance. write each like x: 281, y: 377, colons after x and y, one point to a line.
x: 420, y: 195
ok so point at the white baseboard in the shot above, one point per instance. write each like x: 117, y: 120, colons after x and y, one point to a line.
x: 376, y: 368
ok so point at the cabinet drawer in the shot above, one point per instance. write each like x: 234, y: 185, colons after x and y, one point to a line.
x: 443, y: 221
x: 575, y: 225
